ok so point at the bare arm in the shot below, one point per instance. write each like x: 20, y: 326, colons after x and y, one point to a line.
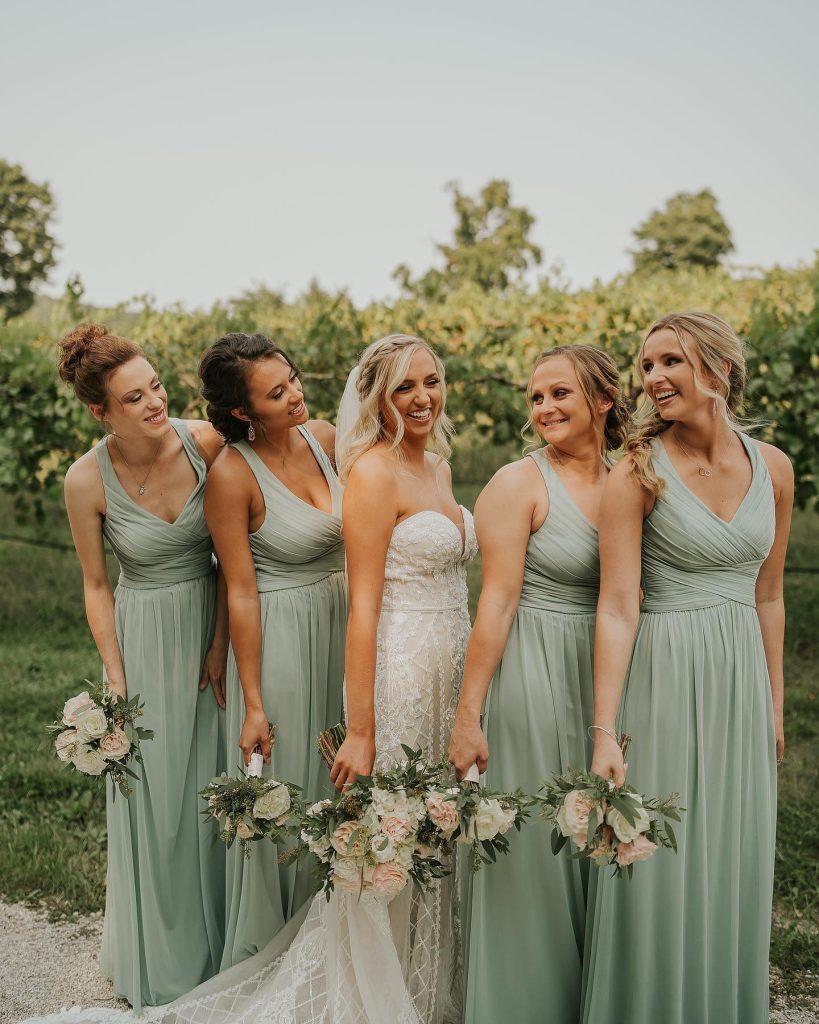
x: 369, y: 516
x: 85, y: 502
x: 503, y: 521
x: 622, y: 510
x: 214, y: 668
x: 228, y: 501
x: 770, y: 602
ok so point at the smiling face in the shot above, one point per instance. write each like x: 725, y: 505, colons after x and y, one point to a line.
x: 137, y: 403
x: 560, y: 411
x: 275, y: 399
x: 418, y: 398
x: 670, y: 378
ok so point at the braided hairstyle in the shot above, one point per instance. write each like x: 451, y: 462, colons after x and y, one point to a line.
x: 223, y: 370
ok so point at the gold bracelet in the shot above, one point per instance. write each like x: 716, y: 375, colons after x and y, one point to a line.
x: 608, y: 732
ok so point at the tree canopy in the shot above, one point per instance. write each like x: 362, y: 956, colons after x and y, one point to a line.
x: 490, y: 247
x: 689, y: 232
x: 26, y: 247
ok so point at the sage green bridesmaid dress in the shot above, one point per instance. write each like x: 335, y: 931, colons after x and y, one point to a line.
x: 686, y: 941
x: 527, y: 920
x: 164, y: 905
x: 299, y: 556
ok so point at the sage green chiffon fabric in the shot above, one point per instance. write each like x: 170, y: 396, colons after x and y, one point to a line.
x: 686, y: 941
x: 527, y: 918
x: 164, y: 907
x: 299, y: 556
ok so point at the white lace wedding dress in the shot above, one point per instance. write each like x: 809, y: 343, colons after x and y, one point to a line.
x: 364, y: 961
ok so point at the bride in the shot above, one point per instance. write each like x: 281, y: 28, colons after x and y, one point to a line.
x: 360, y: 960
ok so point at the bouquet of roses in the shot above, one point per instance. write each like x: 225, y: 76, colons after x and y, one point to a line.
x: 250, y: 808
x: 97, y: 735
x: 402, y: 824
x: 611, y: 825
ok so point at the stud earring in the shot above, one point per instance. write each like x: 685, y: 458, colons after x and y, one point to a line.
x: 251, y: 433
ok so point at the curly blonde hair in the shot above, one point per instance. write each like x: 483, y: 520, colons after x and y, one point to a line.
x: 713, y: 342
x: 598, y: 376
x: 381, y: 369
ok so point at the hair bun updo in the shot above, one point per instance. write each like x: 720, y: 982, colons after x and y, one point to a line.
x: 87, y: 357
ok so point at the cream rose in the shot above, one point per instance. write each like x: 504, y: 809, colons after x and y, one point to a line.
x: 389, y: 879
x: 91, y: 724
x: 115, y: 745
x: 397, y: 828
x: 383, y: 848
x: 491, y: 818
x: 341, y: 839
x: 573, y: 817
x: 318, y: 807
x: 320, y: 847
x: 67, y: 744
x: 639, y: 848
x: 273, y: 803
x: 73, y: 707
x: 244, y: 831
x: 443, y: 813
x: 350, y: 875
x: 622, y: 829
x: 89, y: 761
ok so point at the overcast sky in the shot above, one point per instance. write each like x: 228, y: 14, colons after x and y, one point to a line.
x: 197, y: 148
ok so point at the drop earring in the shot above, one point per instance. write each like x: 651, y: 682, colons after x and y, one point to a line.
x: 251, y: 433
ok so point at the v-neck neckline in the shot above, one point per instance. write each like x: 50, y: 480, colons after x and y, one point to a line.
x: 332, y: 514
x: 541, y: 452
x: 141, y: 508
x: 698, y: 499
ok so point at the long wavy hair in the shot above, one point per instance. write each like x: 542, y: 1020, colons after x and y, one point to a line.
x: 707, y: 342
x: 381, y: 369
x: 598, y: 376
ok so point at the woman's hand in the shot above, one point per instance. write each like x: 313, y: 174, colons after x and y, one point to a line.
x: 607, y: 759
x: 467, y: 746
x: 355, y: 757
x: 780, y: 739
x: 214, y: 672
x: 120, y: 689
x: 255, y: 733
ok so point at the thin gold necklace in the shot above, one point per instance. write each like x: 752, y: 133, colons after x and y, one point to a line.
x: 140, y: 486
x: 686, y: 451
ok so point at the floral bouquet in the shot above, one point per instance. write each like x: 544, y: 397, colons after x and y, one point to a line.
x: 97, y: 735
x: 402, y: 824
x: 611, y: 825
x: 250, y: 808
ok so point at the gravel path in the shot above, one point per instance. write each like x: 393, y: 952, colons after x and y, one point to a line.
x: 45, y: 966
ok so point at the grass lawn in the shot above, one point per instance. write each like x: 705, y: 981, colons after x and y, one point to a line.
x: 52, y: 822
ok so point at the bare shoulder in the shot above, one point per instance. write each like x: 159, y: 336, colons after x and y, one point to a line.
x: 778, y: 463
x: 84, y: 483
x: 515, y: 480
x: 376, y: 468
x: 207, y: 438
x: 229, y: 469
x: 439, y: 466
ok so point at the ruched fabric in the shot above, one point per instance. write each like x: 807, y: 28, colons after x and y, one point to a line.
x: 687, y: 939
x: 164, y: 909
x: 527, y: 919
x: 298, y: 553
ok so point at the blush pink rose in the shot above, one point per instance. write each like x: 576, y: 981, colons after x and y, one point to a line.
x: 341, y: 839
x: 115, y: 745
x: 75, y: 706
x: 396, y: 828
x: 389, y: 879
x: 573, y: 816
x: 639, y: 848
x: 443, y: 813
x: 67, y: 744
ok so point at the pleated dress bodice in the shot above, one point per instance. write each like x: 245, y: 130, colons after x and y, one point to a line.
x: 526, y: 923
x: 152, y: 552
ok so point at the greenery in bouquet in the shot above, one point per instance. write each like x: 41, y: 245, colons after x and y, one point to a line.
x: 97, y: 735
x: 250, y: 808
x: 611, y: 825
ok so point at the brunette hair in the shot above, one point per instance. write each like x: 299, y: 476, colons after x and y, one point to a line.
x: 223, y: 370
x: 710, y: 338
x: 88, y: 356
x: 598, y: 376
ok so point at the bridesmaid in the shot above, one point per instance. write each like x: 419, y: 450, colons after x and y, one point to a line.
x: 273, y: 504
x: 160, y: 635
x: 710, y: 508
x: 537, y: 528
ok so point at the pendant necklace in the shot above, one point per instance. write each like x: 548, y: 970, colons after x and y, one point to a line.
x: 140, y: 486
x: 702, y: 470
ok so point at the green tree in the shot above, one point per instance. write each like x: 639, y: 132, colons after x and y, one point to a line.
x: 26, y: 247
x: 490, y: 248
x: 689, y: 232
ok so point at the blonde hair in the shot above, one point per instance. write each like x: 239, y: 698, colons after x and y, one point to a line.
x: 598, y: 377
x: 381, y: 369
x: 714, y: 341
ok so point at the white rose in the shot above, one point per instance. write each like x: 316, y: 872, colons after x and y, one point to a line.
x: 490, y: 819
x: 91, y: 724
x: 625, y: 832
x: 115, y: 745
x: 317, y: 808
x: 320, y: 847
x: 383, y: 802
x: 273, y: 803
x: 383, y: 848
x: 73, y: 707
x: 403, y: 855
x: 67, y: 744
x: 88, y: 760
x: 349, y: 872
